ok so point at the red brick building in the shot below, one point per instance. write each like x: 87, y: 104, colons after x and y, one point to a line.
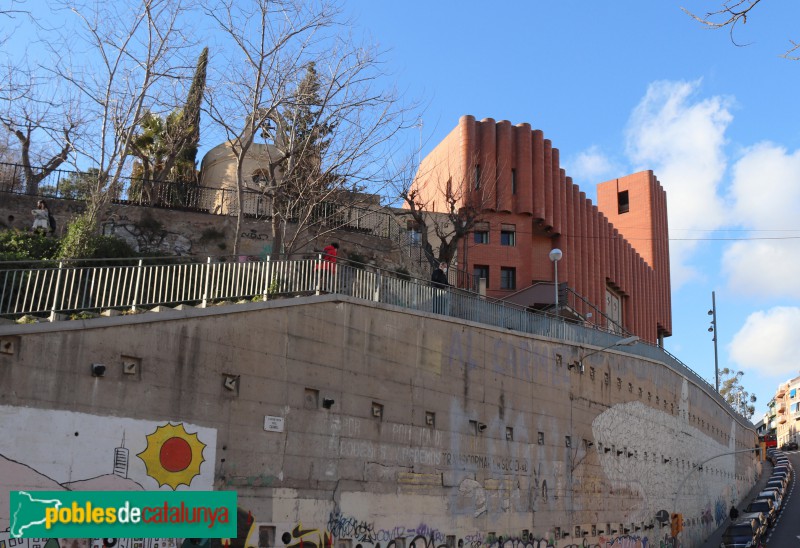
x: 615, y: 254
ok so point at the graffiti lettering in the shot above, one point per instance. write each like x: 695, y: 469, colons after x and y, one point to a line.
x: 402, y: 433
x: 253, y: 235
x: 341, y: 526
x: 480, y: 461
x: 420, y: 456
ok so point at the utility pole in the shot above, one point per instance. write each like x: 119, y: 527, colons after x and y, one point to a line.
x: 713, y: 329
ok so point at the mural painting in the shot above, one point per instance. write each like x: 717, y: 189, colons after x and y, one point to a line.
x: 62, y: 450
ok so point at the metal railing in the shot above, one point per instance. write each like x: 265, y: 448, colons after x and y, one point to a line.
x: 200, y: 199
x: 49, y: 290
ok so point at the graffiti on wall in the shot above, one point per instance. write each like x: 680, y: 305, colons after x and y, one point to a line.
x: 146, y: 237
x: 345, y: 530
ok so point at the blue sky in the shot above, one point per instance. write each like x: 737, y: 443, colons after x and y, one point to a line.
x: 628, y: 85
x: 619, y: 87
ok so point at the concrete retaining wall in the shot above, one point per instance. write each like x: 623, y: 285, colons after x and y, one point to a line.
x: 372, y: 425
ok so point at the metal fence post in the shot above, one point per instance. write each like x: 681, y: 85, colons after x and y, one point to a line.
x: 205, y: 286
x: 55, y: 294
x: 319, y: 274
x: 377, y: 294
x: 136, y: 286
x: 267, y: 280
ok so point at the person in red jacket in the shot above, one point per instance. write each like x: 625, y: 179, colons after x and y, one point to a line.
x: 327, y: 269
x: 329, y: 254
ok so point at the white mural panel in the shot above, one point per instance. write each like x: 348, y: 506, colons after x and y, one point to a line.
x: 63, y: 450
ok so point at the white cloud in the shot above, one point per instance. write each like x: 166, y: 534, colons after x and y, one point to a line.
x: 765, y: 191
x: 681, y: 138
x: 768, y: 343
x: 591, y: 167
x: 763, y: 268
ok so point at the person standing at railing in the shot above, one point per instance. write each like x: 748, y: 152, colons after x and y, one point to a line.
x: 330, y: 253
x: 441, y: 284
x: 327, y: 268
x: 41, y: 217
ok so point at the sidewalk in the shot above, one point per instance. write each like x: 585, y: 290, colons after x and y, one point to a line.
x: 716, y: 537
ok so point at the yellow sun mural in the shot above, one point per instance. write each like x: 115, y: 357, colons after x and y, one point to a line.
x: 173, y: 456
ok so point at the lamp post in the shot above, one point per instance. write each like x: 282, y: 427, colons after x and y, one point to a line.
x: 713, y: 329
x: 699, y: 466
x: 555, y: 256
x: 627, y: 341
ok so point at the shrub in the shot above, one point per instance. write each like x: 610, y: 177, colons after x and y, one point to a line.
x: 79, y: 240
x: 16, y: 245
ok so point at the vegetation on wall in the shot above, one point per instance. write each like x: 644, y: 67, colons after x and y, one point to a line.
x: 19, y: 245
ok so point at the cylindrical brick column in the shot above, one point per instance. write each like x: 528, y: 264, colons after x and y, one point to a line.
x: 488, y: 163
x: 538, y: 174
x: 548, y: 183
x: 569, y: 232
x: 469, y: 156
x: 505, y: 153
x: 577, y: 265
x: 524, y: 168
x: 555, y: 174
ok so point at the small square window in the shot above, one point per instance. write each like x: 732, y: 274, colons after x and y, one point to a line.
x: 481, y: 236
x: 430, y: 419
x: 509, y: 433
x: 540, y: 438
x: 508, y: 237
x: 311, y: 398
x: 508, y: 278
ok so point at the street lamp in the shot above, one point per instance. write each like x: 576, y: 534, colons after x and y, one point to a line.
x: 699, y: 466
x: 627, y: 341
x: 713, y: 329
x: 555, y: 256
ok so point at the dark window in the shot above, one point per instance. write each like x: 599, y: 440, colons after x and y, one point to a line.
x: 508, y: 278
x: 513, y: 181
x: 481, y: 271
x: 481, y: 236
x: 478, y: 176
x: 508, y: 237
x: 623, y: 205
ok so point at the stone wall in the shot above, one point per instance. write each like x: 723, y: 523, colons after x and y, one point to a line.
x: 173, y: 232
x: 357, y: 423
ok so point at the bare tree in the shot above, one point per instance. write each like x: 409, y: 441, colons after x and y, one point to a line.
x: 122, y: 59
x: 730, y: 14
x: 446, y: 202
x: 301, y: 81
x: 44, y: 121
